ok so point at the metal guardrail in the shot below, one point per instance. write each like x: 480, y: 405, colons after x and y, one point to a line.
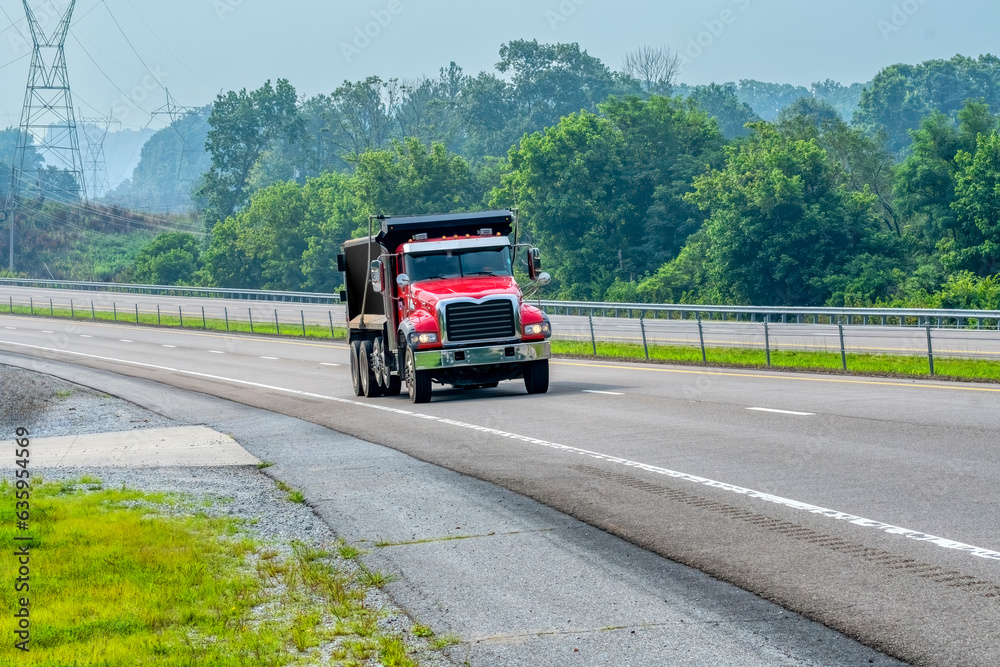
x: 174, y: 290
x: 773, y: 314
x: 917, y: 317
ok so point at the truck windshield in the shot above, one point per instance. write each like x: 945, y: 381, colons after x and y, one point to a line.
x: 458, y: 264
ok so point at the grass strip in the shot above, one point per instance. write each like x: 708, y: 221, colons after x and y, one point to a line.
x: 194, y: 322
x: 946, y: 368
x: 121, y: 578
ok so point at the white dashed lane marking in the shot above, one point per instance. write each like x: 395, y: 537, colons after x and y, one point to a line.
x: 85, y: 336
x: 124, y: 341
x: 606, y: 393
x: 270, y: 358
x: 215, y: 352
x: 326, y: 364
x: 861, y: 522
x: 784, y: 412
x: 171, y: 346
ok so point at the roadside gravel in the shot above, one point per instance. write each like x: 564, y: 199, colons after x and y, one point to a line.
x: 50, y: 407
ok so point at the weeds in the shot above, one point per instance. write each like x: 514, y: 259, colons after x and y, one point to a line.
x: 862, y: 364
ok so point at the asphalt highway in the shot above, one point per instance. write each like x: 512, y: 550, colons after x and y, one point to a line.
x: 966, y: 343
x: 867, y: 505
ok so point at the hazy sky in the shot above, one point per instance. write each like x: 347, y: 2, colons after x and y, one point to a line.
x: 199, y: 47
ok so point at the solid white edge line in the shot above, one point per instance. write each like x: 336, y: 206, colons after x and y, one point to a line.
x: 606, y: 393
x: 890, y: 529
x: 784, y: 412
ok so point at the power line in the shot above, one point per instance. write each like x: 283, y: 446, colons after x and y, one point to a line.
x: 157, y: 38
x: 129, y: 41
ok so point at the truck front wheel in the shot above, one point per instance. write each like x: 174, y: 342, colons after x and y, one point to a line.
x: 536, y: 377
x: 418, y: 383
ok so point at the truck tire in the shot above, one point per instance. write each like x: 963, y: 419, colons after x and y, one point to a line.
x: 356, y: 368
x: 536, y: 376
x: 418, y: 383
x: 369, y: 383
x: 395, y: 386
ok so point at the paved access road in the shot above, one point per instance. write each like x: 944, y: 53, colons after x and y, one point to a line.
x: 966, y: 343
x: 868, y: 505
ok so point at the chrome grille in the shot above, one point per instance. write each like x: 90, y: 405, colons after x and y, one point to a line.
x: 480, y: 321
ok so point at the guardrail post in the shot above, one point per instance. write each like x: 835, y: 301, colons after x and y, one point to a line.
x: 31, y: 303
x: 701, y: 337
x: 136, y: 314
x: 204, y: 324
x: 72, y: 312
x: 11, y: 305
x: 303, y: 314
x: 645, y: 345
x: 930, y: 350
x: 593, y: 339
x: 93, y: 313
x: 180, y: 311
x: 843, y: 348
x: 114, y: 306
x: 277, y: 326
x: 330, y: 313
x: 226, y: 308
x: 767, y: 342
x: 159, y: 321
x: 52, y: 311
x: 250, y: 312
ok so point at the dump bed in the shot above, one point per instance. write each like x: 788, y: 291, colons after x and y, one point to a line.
x: 358, y: 255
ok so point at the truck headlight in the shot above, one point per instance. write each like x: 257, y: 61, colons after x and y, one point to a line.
x: 423, y: 338
x: 538, y: 329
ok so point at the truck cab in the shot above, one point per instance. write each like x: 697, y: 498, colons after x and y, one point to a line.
x: 439, y: 304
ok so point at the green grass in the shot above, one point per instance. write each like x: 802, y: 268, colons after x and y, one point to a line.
x: 122, y: 578
x: 861, y: 364
x: 173, y: 320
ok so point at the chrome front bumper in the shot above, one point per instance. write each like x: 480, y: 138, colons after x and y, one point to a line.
x: 481, y: 356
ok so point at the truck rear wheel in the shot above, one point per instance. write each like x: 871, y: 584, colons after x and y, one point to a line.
x: 356, y: 368
x: 369, y: 383
x: 418, y: 383
x: 536, y: 377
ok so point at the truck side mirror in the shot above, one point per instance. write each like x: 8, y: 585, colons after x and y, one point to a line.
x: 377, y: 276
x: 341, y: 264
x: 534, y: 263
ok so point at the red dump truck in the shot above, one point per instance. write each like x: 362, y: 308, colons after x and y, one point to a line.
x: 432, y: 299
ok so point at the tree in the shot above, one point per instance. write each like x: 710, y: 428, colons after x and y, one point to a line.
x: 666, y: 144
x: 411, y: 178
x: 977, y: 207
x: 721, y: 103
x: 170, y: 164
x: 261, y: 246
x: 901, y: 96
x: 926, y: 180
x: 768, y: 99
x: 244, y: 126
x: 554, y: 80
x: 567, y: 181
x: 783, y: 226
x: 169, y: 259
x: 654, y: 68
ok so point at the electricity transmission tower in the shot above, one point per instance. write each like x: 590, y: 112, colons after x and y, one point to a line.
x: 95, y: 131
x: 183, y: 179
x: 48, y: 123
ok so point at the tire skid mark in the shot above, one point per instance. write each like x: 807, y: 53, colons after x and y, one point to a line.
x: 886, y: 559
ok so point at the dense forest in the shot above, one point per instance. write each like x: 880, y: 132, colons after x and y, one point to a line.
x: 637, y: 188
